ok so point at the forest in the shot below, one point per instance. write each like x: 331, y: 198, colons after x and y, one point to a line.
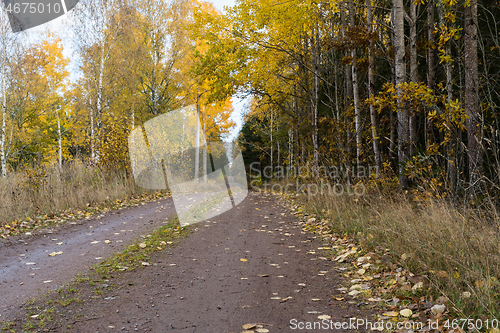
x: 407, y: 89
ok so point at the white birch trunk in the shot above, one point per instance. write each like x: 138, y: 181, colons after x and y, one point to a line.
x: 4, y: 106
x: 355, y: 91
x: 400, y: 73
x: 197, y: 144
x: 205, y: 147
x: 59, y: 140
x: 371, y: 80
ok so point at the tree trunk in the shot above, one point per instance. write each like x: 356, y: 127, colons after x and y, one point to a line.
x: 474, y: 128
x: 59, y: 140
x: 355, y: 91
x: 348, y: 87
x: 272, y: 144
x: 92, y: 129
x: 205, y: 147
x: 4, y: 104
x: 400, y: 70
x: 431, y: 64
x: 315, y: 54
x: 100, y: 88
x: 197, y: 144
x: 371, y: 89
x: 290, y: 148
x: 413, y: 72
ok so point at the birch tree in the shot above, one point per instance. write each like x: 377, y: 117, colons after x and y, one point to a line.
x: 400, y: 73
x: 95, y: 39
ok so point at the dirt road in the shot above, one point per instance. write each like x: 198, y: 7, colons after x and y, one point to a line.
x: 27, y: 269
x: 250, y: 265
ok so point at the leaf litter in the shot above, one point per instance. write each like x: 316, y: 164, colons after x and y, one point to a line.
x: 377, y: 277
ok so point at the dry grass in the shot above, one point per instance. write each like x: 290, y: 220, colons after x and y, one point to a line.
x: 50, y: 190
x: 457, y: 250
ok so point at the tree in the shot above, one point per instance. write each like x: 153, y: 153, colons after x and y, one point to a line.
x: 400, y: 70
x: 474, y: 145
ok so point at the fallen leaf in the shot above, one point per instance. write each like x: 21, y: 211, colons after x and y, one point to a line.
x: 438, y: 308
x: 276, y: 297
x: 48, y: 281
x: 55, y: 253
x: 248, y: 326
x: 94, y: 242
x: 378, y: 299
x: 390, y: 314
x: 60, y: 243
x: 262, y: 330
x: 406, y: 313
x: 142, y: 245
x: 417, y: 286
x: 316, y: 299
x: 323, y: 317
x: 107, y: 241
x: 243, y: 259
x: 145, y: 263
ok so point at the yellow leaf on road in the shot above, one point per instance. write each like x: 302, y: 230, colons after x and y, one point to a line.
x: 248, y: 326
x: 406, y: 313
x: 390, y: 314
x: 243, y: 259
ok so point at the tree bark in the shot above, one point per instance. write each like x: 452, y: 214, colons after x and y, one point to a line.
x: 371, y: 89
x: 315, y: 54
x: 4, y: 102
x: 413, y: 72
x: 59, y: 140
x: 348, y: 87
x: 197, y: 144
x: 357, y: 112
x: 400, y: 71
x: 474, y: 121
x: 431, y: 64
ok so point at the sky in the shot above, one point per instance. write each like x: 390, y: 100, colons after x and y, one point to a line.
x: 34, y: 34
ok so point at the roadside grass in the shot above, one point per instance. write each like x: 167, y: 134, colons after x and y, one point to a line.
x: 457, y: 251
x: 38, y: 198
x: 48, y: 311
